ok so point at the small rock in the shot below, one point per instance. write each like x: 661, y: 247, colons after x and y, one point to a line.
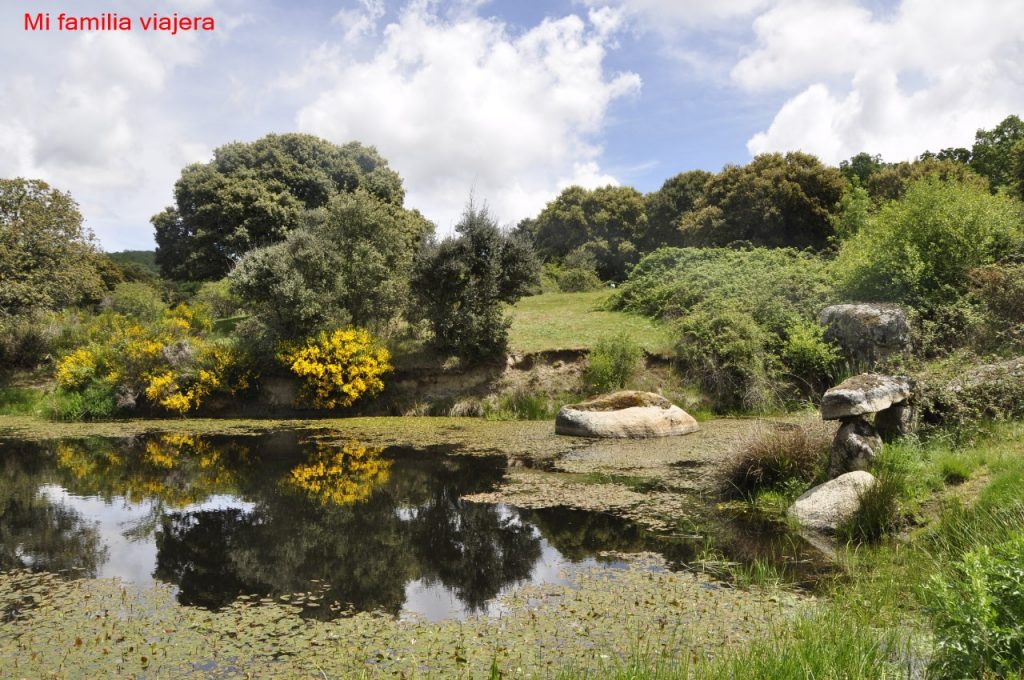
x: 855, y: 447
x: 864, y: 393
x: 867, y: 333
x: 827, y: 506
x: 626, y: 414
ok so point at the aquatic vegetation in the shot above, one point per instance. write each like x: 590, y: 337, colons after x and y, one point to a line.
x: 596, y: 619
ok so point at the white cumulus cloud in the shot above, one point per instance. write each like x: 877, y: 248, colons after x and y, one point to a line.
x: 925, y: 76
x: 459, y: 103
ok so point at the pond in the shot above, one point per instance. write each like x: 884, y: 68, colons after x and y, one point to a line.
x: 329, y: 525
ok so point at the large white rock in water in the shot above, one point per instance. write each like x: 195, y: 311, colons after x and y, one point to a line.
x: 864, y: 393
x: 828, y: 505
x: 626, y: 414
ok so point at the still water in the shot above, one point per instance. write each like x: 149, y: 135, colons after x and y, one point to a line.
x: 354, y: 527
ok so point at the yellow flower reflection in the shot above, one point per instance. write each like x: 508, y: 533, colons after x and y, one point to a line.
x: 341, y: 476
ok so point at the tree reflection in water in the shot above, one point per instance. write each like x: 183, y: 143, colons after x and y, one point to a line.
x: 35, y: 532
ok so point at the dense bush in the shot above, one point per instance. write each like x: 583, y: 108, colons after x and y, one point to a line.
x: 776, y: 286
x: 459, y: 285
x: 337, y: 367
x: 977, y: 612
x: 612, y: 362
x: 349, y: 264
x: 810, y: 358
x: 741, y: 313
x: 136, y: 300
x: 25, y: 340
x: 779, y: 457
x: 578, y: 272
x: 918, y: 250
x: 999, y: 290
x: 726, y: 352
x: 171, y: 364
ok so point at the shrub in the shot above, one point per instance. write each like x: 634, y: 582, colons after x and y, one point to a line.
x: 94, y: 402
x: 577, y: 280
x: 460, y: 284
x: 218, y: 298
x: 25, y: 340
x: 338, y: 367
x: 814, y: 361
x: 977, y: 611
x: 737, y: 308
x: 918, y: 250
x: 726, y: 352
x: 774, y: 286
x: 136, y: 300
x: 777, y: 457
x: 999, y: 289
x: 612, y: 362
x: 170, y: 363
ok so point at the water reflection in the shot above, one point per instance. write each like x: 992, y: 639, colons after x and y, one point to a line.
x: 218, y: 517
x: 350, y: 525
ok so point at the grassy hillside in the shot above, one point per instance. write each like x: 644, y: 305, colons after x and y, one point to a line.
x: 568, y: 320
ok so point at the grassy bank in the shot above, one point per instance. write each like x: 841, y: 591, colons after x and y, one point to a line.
x: 927, y: 601
x: 569, y: 320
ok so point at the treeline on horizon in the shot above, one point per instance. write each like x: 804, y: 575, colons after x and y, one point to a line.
x: 283, y: 251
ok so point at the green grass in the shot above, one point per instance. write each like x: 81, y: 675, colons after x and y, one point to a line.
x: 22, y: 401
x: 576, y: 320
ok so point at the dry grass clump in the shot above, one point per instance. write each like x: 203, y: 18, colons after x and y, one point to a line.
x: 777, y: 456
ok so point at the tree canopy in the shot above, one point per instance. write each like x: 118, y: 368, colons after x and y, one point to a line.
x: 775, y: 200
x: 47, y: 258
x: 608, y: 221
x: 666, y: 206
x: 992, y: 153
x: 349, y: 262
x: 252, y: 194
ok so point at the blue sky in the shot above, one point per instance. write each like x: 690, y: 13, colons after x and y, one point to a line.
x: 510, y: 100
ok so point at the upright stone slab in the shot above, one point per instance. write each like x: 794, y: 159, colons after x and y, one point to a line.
x: 863, y: 394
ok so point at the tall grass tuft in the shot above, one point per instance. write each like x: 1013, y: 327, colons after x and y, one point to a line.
x: 775, y: 458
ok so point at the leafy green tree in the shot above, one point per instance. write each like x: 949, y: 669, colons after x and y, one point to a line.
x: 459, y: 285
x: 349, y: 262
x: 609, y: 221
x: 47, y: 258
x: 858, y: 168
x: 891, y: 182
x: 676, y: 197
x: 992, y: 153
x: 919, y: 249
x: 775, y: 201
x: 251, y: 195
